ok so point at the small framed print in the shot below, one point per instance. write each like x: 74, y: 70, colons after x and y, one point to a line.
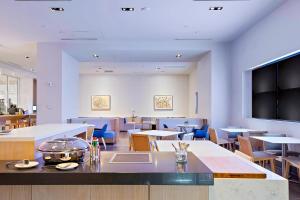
x: 163, y: 102
x: 101, y: 102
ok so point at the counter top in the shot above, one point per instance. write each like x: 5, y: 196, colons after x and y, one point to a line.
x: 162, y: 171
x: 209, y: 152
x: 45, y: 131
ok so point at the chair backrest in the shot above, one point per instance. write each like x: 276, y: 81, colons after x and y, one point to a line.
x: 245, y: 146
x: 131, y: 131
x: 204, y: 127
x: 213, y: 136
x: 140, y: 142
x: 165, y: 126
x: 100, y: 132
x: 104, y: 128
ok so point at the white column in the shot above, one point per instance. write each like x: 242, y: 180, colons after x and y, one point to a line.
x: 57, y: 84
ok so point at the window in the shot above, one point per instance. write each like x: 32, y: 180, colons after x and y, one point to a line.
x: 9, y: 92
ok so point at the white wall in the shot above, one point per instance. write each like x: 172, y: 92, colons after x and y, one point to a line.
x: 220, y: 86
x: 70, y: 87
x: 57, y: 84
x: 49, y: 62
x: 200, y: 81
x: 134, y: 92
x: 274, y: 36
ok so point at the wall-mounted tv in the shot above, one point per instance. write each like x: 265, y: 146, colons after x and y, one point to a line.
x: 276, y: 90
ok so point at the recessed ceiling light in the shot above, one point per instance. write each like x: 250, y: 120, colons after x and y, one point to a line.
x: 127, y: 9
x: 27, y: 57
x: 99, y: 67
x: 178, y: 55
x: 96, y: 56
x: 157, y: 68
x: 216, y: 8
x: 57, y: 9
x: 145, y: 8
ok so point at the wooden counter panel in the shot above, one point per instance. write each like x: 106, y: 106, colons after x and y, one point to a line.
x: 61, y: 192
x: 15, y: 192
x: 17, y: 150
x: 119, y: 192
x: 174, y: 192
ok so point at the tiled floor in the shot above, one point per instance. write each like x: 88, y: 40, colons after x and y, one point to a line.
x: 122, y: 145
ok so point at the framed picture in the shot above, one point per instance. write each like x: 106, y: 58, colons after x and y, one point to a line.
x: 163, y: 102
x: 100, y: 102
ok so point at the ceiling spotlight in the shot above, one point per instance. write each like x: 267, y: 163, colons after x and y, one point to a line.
x: 178, y: 55
x: 57, y: 9
x: 216, y: 8
x: 145, y: 8
x: 27, y: 57
x: 96, y: 56
x: 127, y: 9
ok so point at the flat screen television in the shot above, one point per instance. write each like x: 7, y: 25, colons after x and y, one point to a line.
x: 276, y: 90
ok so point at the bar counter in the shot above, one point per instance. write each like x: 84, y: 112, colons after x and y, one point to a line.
x: 162, y: 179
x: 162, y: 171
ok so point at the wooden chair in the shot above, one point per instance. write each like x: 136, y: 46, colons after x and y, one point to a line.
x: 213, y: 136
x: 130, y: 132
x: 242, y: 155
x: 256, y: 156
x: 292, y: 161
x: 140, y: 142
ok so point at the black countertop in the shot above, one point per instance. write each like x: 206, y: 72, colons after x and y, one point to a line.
x: 162, y: 171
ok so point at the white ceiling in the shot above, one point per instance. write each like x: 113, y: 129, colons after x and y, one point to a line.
x: 137, y: 36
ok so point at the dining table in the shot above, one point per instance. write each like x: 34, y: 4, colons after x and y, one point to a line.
x: 160, y: 133
x: 284, y: 141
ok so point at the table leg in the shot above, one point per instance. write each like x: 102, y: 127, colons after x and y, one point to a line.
x: 283, y: 155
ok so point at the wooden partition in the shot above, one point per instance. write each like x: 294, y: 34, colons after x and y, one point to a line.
x: 100, y: 192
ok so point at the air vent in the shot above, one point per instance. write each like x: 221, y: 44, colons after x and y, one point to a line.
x: 108, y: 71
x: 80, y: 39
x: 174, y: 67
x: 187, y: 39
x: 220, y: 0
x: 43, y: 0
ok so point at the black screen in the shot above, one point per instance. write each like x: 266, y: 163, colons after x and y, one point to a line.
x: 264, y: 92
x: 276, y: 90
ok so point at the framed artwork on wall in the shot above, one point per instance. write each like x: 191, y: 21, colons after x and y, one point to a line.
x: 163, y: 102
x: 101, y: 102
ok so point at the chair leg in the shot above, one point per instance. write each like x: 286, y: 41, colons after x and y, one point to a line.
x: 104, y: 144
x: 298, y: 170
x: 287, y: 170
x: 272, y: 162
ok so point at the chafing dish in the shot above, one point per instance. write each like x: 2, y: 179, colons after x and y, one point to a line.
x: 64, y: 150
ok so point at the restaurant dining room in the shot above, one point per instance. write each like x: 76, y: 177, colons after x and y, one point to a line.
x: 149, y: 100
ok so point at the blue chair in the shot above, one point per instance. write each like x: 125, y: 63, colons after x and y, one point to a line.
x: 201, y: 133
x: 165, y: 126
x: 100, y: 133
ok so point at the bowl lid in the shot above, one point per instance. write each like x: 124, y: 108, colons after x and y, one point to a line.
x: 63, y: 145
